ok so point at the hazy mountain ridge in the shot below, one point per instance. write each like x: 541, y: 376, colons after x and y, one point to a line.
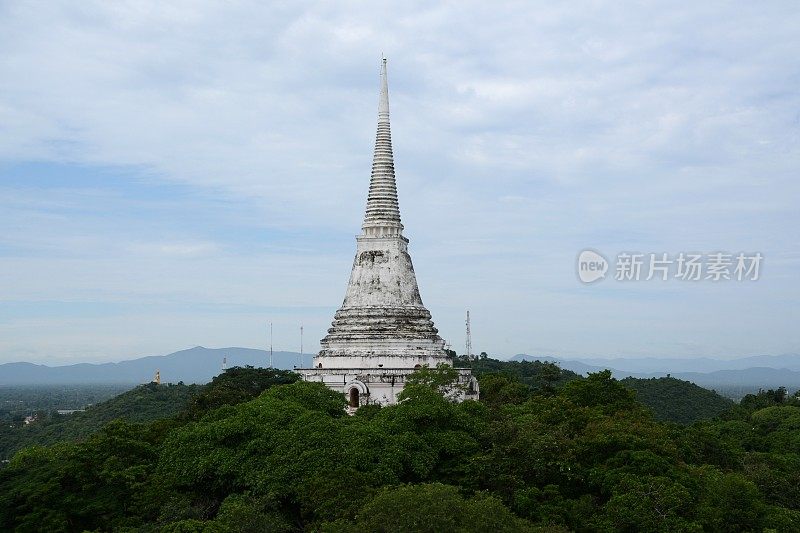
x: 200, y: 365
x: 698, y: 364
x: 195, y: 365
x: 767, y: 371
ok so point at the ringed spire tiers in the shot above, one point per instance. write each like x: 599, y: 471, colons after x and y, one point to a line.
x: 383, y: 210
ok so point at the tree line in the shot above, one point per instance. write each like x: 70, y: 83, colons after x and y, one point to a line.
x: 257, y: 450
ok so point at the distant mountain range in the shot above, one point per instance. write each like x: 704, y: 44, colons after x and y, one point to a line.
x: 767, y: 371
x: 195, y: 365
x: 200, y: 365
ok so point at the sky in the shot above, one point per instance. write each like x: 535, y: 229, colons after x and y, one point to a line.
x: 176, y: 174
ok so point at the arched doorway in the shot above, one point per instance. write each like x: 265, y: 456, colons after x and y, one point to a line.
x: 353, y: 397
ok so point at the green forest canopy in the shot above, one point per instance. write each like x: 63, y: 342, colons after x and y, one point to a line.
x: 538, y: 453
x: 676, y: 400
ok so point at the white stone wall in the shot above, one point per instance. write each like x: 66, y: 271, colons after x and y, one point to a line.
x: 379, y: 361
x: 382, y: 274
x: 378, y: 386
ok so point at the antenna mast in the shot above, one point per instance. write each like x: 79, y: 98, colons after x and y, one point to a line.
x: 469, y: 339
x: 301, y: 345
x: 270, y: 344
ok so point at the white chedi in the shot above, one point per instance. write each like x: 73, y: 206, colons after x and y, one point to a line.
x: 382, y: 332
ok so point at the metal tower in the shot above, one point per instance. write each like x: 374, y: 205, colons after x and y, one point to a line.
x: 469, y: 339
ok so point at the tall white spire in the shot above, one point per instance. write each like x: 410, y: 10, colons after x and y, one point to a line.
x: 383, y: 211
x: 382, y: 332
x: 382, y: 313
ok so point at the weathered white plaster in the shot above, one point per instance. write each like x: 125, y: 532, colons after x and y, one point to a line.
x: 383, y: 331
x: 380, y: 386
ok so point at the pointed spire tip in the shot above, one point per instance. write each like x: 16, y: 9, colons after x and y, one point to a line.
x: 383, y: 212
x: 383, y: 102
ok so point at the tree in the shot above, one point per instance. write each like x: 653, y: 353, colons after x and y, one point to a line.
x: 81, y: 486
x: 499, y: 389
x: 599, y: 389
x: 649, y: 504
x: 443, y: 379
x: 256, y: 455
x: 729, y: 503
x: 678, y: 401
x: 245, y: 514
x: 541, y: 377
x: 236, y: 385
x: 433, y: 508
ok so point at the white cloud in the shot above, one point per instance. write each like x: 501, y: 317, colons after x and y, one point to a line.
x: 177, y: 249
x: 522, y: 132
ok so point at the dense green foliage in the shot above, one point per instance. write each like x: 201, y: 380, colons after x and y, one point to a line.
x: 236, y: 385
x: 540, y: 455
x: 676, y: 400
x: 536, y: 375
x: 671, y: 400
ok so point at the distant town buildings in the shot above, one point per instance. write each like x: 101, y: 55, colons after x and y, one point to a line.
x: 69, y: 411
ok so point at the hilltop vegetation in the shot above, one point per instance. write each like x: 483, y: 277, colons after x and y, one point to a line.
x: 676, y: 400
x: 535, y: 375
x: 583, y: 455
x: 670, y: 399
x: 145, y: 403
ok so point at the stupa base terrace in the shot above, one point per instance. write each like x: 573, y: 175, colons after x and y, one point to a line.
x: 375, y: 385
